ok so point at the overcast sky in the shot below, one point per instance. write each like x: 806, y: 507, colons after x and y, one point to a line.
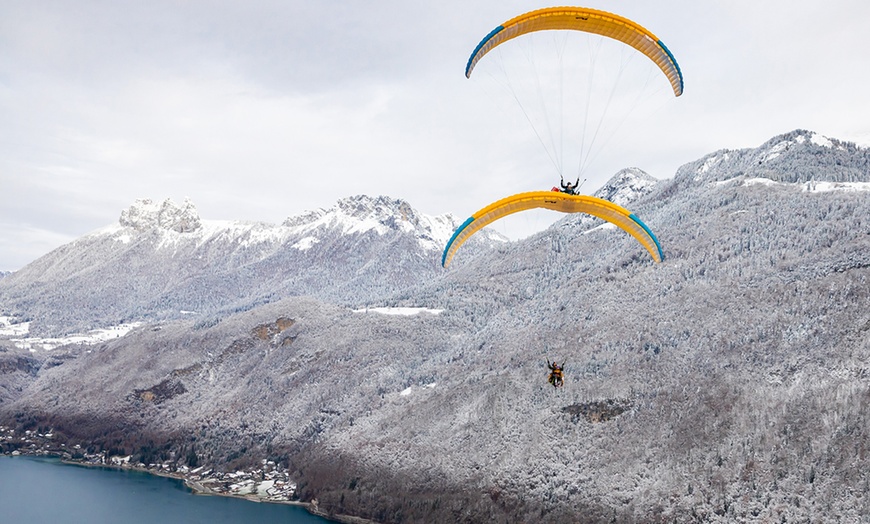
x: 258, y: 110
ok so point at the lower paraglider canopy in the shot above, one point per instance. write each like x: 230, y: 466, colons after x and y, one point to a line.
x: 555, y: 201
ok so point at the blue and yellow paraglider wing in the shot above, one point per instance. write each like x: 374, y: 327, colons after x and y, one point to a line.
x: 556, y: 201
x: 589, y: 21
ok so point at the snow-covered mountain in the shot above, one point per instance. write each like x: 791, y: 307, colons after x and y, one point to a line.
x: 162, y: 261
x: 627, y: 186
x: 145, y: 215
x: 727, y: 384
x: 797, y: 157
x: 381, y: 215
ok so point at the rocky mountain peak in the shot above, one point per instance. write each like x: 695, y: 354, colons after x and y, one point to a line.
x: 796, y: 157
x: 361, y: 213
x: 381, y: 209
x: 146, y: 214
x: 623, y: 188
x: 626, y: 186
x: 384, y: 210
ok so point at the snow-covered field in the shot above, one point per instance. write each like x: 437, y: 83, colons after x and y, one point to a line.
x: 16, y: 332
x: 405, y: 311
x: 8, y: 327
x: 820, y: 187
x: 811, y: 187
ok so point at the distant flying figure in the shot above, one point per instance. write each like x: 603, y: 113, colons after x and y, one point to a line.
x: 568, y: 187
x: 555, y: 373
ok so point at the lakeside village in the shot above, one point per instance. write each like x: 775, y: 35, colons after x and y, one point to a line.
x: 268, y: 483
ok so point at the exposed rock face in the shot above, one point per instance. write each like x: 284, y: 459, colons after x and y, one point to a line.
x: 145, y: 215
x: 159, y: 393
x: 598, y: 411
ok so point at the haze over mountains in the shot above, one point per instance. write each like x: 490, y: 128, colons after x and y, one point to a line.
x: 728, y: 382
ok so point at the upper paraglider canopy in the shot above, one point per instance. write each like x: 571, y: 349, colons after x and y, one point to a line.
x: 556, y: 201
x: 586, y: 20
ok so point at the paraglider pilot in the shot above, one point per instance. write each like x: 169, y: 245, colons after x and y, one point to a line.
x: 555, y: 373
x: 568, y: 187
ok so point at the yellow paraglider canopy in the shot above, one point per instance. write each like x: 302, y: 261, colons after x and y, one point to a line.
x: 555, y: 201
x: 586, y: 20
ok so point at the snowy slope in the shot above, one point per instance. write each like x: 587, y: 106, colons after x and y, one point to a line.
x: 796, y: 157
x: 161, y: 261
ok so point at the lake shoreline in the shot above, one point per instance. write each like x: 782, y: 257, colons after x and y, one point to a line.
x: 312, y: 507
x: 199, y: 489
x: 239, y: 485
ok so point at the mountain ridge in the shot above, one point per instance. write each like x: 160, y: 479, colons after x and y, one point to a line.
x: 161, y: 259
x: 830, y: 159
x: 176, y: 239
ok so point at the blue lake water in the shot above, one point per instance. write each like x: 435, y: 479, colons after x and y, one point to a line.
x: 38, y: 490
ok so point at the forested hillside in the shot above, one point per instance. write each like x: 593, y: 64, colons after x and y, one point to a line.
x: 728, y: 383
